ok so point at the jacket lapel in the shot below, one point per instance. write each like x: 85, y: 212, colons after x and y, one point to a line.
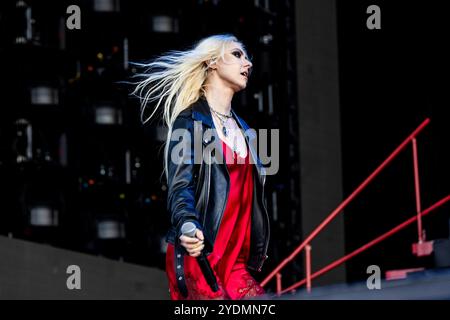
x: 201, y: 112
x: 250, y: 137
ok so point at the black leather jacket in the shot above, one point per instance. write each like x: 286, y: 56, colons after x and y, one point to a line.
x: 199, y: 192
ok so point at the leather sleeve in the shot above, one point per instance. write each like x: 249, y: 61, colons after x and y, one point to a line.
x: 180, y: 170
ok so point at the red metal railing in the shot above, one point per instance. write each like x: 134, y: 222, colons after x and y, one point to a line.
x: 417, y: 190
x: 306, y: 243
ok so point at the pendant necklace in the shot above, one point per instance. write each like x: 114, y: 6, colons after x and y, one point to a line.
x: 223, y: 119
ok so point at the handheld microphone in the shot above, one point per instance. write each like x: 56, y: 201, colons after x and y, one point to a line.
x: 188, y: 229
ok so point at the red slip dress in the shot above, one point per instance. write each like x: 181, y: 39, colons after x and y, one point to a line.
x: 232, y: 245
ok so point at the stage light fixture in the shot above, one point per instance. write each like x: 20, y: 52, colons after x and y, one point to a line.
x: 110, y: 229
x: 107, y: 5
x: 107, y: 115
x: 164, y: 24
x: 43, y: 216
x: 44, y: 95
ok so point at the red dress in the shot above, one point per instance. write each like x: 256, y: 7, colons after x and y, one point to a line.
x: 232, y: 245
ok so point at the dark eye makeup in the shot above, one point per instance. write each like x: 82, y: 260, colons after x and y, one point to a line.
x: 237, y: 54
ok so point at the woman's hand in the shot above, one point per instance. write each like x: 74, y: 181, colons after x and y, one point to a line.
x: 193, y: 246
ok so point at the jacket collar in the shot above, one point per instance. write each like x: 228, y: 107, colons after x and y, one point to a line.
x: 201, y: 112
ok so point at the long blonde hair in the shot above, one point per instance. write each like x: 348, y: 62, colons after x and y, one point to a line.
x: 175, y: 80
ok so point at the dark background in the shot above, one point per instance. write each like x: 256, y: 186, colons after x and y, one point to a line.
x: 390, y: 80
x: 78, y: 166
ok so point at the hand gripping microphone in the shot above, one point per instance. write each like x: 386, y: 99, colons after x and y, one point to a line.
x: 188, y: 229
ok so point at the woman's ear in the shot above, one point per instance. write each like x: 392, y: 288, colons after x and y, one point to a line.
x: 212, y: 64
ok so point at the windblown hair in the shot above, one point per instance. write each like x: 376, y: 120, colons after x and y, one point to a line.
x: 177, y: 79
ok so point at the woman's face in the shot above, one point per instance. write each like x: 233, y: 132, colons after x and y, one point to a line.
x: 234, y: 69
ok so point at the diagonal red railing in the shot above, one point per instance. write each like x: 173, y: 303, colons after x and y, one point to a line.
x: 366, y: 246
x: 306, y: 243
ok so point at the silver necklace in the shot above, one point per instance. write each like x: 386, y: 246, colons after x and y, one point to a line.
x: 223, y: 119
